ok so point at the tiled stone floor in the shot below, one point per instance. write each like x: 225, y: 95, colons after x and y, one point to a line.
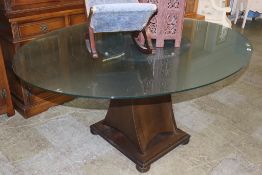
x: 226, y: 130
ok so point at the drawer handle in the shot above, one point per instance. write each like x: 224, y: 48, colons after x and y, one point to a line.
x: 44, y: 28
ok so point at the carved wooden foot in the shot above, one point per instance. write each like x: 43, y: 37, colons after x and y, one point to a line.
x: 142, y: 129
x: 92, y: 131
x: 186, y: 141
x: 143, y: 169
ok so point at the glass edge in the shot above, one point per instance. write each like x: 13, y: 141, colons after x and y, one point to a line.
x: 133, y: 97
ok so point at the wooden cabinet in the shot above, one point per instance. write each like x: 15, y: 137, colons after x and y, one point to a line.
x: 191, y: 10
x: 22, y: 21
x: 6, y: 105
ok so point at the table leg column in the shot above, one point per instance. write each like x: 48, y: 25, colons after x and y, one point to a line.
x: 142, y: 129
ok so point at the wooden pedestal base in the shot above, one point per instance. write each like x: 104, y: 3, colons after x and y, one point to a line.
x: 142, y: 129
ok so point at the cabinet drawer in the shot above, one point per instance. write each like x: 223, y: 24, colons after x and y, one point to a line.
x: 78, y: 19
x: 29, y: 2
x: 40, y: 27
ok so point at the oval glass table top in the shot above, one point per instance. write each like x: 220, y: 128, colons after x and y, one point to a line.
x: 60, y: 62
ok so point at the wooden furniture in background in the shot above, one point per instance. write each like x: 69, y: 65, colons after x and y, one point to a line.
x: 191, y: 10
x: 227, y: 3
x: 6, y: 105
x: 22, y: 21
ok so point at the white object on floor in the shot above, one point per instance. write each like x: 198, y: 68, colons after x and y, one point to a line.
x: 246, y: 5
x: 215, y: 12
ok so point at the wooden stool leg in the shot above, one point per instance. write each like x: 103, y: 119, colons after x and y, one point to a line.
x: 148, y: 40
x: 91, y: 39
x: 147, y: 46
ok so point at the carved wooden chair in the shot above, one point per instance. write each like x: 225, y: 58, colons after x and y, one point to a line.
x: 168, y: 23
x: 119, y: 16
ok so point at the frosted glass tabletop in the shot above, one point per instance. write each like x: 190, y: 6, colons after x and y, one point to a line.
x: 60, y: 62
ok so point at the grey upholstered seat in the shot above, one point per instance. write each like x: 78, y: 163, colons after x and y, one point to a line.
x: 118, y: 16
x: 121, y: 17
x: 91, y: 3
